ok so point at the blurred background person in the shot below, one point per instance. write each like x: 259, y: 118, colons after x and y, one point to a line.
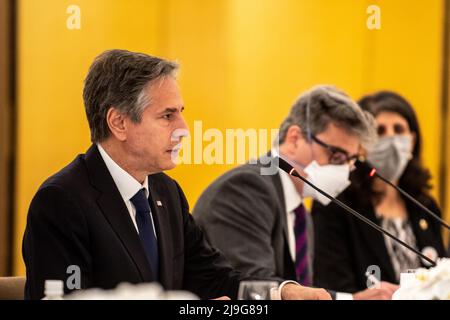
x: 259, y: 221
x: 344, y: 246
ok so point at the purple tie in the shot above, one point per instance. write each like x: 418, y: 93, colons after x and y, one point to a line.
x: 301, y: 246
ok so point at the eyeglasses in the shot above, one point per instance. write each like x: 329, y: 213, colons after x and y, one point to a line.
x: 338, y: 156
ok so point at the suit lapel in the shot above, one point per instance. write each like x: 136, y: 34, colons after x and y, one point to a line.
x: 158, y: 204
x: 423, y: 230
x: 285, y: 263
x: 115, y: 211
x: 279, y: 188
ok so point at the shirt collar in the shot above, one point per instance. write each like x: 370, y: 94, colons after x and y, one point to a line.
x: 127, y: 185
x: 292, y: 198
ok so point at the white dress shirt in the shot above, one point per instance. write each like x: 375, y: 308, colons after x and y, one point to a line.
x: 291, y: 201
x: 126, y: 184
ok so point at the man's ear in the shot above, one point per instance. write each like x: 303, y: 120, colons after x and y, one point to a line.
x: 117, y: 124
x: 294, y: 135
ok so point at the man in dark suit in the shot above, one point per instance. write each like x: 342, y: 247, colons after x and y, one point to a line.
x: 258, y: 220
x: 112, y: 214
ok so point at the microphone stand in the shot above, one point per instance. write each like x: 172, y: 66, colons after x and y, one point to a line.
x: 285, y: 166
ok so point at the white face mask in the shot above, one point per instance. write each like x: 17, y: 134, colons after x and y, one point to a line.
x: 333, y: 179
x: 391, y: 155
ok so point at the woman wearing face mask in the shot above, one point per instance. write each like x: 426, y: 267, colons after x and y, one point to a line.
x: 346, y: 248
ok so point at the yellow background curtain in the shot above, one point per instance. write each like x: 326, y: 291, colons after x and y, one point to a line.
x: 243, y: 64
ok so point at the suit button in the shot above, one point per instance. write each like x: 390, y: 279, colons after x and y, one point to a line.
x: 423, y: 224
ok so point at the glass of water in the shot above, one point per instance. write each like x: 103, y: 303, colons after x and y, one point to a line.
x: 257, y: 290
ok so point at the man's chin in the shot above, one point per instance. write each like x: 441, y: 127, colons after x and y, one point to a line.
x: 168, y: 165
x: 171, y: 166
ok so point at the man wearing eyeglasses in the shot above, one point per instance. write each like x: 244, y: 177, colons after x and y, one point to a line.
x: 255, y: 214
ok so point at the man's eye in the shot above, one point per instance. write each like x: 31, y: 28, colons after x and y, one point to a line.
x: 167, y: 116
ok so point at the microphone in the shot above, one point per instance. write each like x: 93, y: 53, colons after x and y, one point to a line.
x: 285, y: 166
x: 372, y: 172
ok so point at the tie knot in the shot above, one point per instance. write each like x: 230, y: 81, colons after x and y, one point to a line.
x: 140, y: 202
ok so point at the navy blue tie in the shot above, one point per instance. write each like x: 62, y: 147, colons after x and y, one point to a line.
x: 146, y: 231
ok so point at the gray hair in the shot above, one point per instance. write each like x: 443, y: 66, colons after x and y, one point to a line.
x: 120, y: 79
x: 326, y: 104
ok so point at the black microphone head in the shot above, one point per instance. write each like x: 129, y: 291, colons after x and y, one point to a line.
x: 284, y: 165
x: 365, y: 167
x: 361, y: 165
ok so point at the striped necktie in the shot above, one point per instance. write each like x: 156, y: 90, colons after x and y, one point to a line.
x: 301, y: 246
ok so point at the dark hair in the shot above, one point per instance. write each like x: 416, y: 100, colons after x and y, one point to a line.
x: 415, y: 179
x: 119, y: 79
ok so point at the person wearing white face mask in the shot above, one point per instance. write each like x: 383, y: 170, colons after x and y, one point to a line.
x: 392, y: 154
x: 255, y: 214
x: 346, y: 248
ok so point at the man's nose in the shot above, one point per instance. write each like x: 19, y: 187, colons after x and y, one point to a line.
x: 183, y: 125
x: 181, y: 130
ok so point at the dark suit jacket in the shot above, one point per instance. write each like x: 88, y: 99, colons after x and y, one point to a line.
x: 346, y: 246
x: 78, y: 217
x: 244, y: 215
